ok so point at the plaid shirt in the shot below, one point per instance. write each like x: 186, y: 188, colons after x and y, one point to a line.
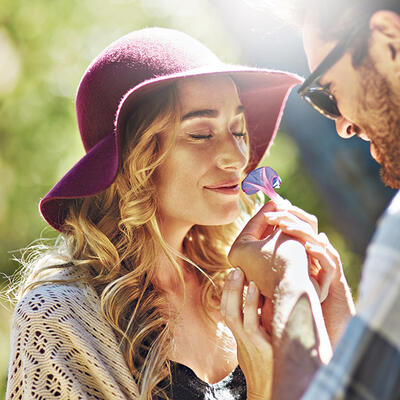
x: 366, y: 362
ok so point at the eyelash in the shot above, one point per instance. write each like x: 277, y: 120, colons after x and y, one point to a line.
x: 199, y: 137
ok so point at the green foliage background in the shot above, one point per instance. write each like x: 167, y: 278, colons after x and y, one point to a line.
x: 47, y: 46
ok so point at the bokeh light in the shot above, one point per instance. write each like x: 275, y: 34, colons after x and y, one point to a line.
x: 10, y: 65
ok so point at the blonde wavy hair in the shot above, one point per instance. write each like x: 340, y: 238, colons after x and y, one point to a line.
x: 115, y: 237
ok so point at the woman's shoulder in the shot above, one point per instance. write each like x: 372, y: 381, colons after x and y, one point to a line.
x: 63, y: 313
x: 64, y: 296
x: 61, y: 339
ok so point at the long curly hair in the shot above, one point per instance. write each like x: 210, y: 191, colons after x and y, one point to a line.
x: 115, y: 237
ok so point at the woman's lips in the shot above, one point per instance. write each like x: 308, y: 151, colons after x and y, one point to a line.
x: 225, y: 189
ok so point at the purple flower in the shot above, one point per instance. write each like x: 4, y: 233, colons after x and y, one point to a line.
x: 264, y: 179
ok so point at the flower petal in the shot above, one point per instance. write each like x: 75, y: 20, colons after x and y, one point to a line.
x: 264, y: 179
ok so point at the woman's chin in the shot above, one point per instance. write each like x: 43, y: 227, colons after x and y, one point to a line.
x: 227, y: 216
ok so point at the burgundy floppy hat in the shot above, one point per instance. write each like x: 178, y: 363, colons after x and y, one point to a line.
x: 140, y: 63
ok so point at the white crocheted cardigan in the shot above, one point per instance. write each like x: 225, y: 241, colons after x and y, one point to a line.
x: 62, y: 348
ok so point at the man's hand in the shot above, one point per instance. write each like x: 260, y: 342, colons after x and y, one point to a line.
x: 325, y: 265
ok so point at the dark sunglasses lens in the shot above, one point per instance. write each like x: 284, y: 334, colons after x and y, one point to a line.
x: 324, y: 102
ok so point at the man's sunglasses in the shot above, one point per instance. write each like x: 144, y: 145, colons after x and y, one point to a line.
x: 319, y: 97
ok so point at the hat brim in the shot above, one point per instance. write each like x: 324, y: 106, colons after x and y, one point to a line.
x: 262, y: 92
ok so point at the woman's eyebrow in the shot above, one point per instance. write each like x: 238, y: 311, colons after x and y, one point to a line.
x: 208, y: 113
x: 201, y: 113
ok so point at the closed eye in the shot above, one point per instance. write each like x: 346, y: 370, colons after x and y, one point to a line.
x: 199, y: 137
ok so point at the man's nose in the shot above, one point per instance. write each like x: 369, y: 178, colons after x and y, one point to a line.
x: 346, y: 129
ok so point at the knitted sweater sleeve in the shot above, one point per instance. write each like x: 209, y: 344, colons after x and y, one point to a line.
x: 62, y: 348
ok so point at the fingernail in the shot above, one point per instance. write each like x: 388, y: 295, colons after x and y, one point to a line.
x: 237, y: 274
x: 230, y: 275
x: 269, y: 216
x: 310, y: 246
x: 251, y: 290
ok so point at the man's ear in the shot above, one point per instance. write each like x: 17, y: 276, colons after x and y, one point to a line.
x: 386, y: 23
x: 384, y: 47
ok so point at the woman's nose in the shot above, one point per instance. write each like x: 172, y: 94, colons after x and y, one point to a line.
x: 232, y: 153
x: 346, y: 129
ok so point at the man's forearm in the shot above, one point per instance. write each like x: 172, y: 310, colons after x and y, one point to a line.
x: 296, y: 353
x: 299, y: 335
x: 279, y: 267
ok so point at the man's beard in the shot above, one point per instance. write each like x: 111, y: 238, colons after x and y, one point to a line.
x: 388, y: 156
x: 380, y: 116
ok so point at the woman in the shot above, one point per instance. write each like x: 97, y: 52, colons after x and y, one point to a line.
x: 126, y: 304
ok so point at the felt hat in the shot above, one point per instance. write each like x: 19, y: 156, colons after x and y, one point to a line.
x: 134, y: 66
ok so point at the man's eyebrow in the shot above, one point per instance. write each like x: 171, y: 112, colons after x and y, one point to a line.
x: 207, y: 113
x: 323, y: 85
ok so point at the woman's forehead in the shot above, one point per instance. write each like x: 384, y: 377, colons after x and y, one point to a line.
x: 207, y: 92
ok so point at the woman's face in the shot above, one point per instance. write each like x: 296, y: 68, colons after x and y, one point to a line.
x: 199, y: 182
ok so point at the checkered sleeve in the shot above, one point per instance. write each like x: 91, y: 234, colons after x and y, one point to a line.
x: 366, y: 362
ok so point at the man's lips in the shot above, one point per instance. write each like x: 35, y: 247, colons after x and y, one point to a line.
x: 372, y: 148
x: 373, y: 152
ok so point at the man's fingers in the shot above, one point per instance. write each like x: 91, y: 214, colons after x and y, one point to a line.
x: 311, y: 219
x: 333, y: 253
x: 317, y: 245
x: 328, y: 266
x: 298, y: 229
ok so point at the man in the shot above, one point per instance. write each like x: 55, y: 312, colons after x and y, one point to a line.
x: 353, y: 51
x: 358, y: 85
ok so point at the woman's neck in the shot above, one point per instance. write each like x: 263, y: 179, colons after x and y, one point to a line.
x: 166, y: 277
x: 174, y: 232
x: 199, y: 344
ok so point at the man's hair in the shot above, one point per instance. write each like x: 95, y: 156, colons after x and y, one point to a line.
x: 335, y: 18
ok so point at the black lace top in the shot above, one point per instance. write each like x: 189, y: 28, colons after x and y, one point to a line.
x: 187, y: 386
